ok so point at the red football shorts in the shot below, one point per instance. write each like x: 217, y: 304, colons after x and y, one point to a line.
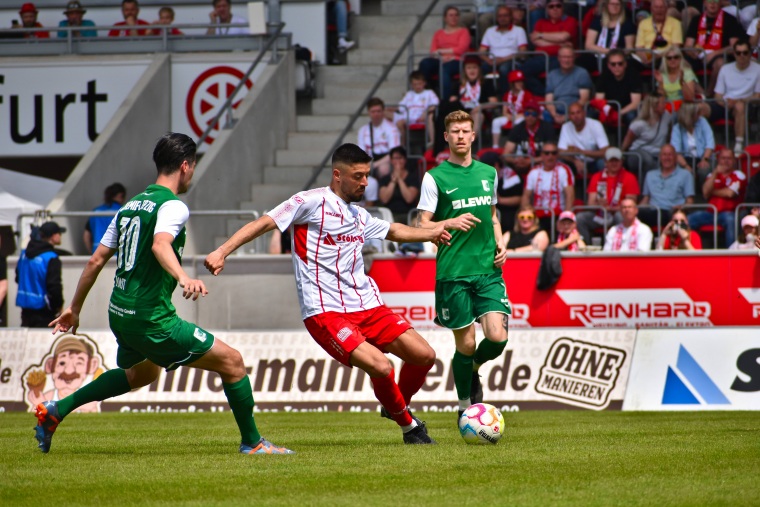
x: 340, y: 333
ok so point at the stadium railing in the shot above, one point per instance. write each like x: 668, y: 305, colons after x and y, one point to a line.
x: 706, y: 207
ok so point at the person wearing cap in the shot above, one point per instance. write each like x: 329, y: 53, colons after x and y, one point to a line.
x: 568, y: 237
x: 748, y: 234
x: 28, y: 15
x: 75, y: 17
x: 607, y: 189
x: 38, y: 274
x: 631, y: 234
x: 130, y: 9
x: 513, y: 106
x: 527, y: 139
x: 723, y: 188
x: 114, y: 197
x: 501, y: 44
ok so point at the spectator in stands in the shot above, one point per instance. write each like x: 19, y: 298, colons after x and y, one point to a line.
x: 340, y: 11
x: 607, y: 189
x: 748, y: 234
x: 513, y: 109
x: 566, y: 85
x: 549, y: 35
x: 657, y: 33
x: 676, y: 80
x: 693, y: 139
x: 549, y: 186
x: 75, y: 17
x: 222, y: 15
x: 501, y: 45
x: 677, y: 235
x: 482, y: 16
x: 619, y: 83
x: 114, y: 196
x: 737, y: 82
x: 527, y: 138
x: 744, y: 11
x: 527, y: 235
x: 378, y: 137
x: 584, y: 140
x: 753, y: 32
x: 474, y: 95
x: 666, y: 188
x: 448, y: 45
x: 568, y: 237
x: 28, y: 15
x: 723, y: 189
x: 399, y: 190
x: 608, y: 31
x: 630, y: 235
x: 713, y: 33
x: 417, y: 106
x: 130, y: 9
x: 166, y: 18
x: 508, y: 191
x: 648, y: 133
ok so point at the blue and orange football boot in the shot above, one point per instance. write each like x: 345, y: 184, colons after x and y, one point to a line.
x: 264, y: 446
x: 47, y: 422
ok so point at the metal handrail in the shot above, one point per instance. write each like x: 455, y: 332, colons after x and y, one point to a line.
x: 227, y: 106
x: 350, y: 124
x: 589, y: 207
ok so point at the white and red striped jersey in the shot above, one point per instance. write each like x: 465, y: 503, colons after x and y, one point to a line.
x: 327, y: 239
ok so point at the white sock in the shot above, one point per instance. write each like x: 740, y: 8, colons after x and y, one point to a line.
x: 409, y: 427
x: 464, y: 404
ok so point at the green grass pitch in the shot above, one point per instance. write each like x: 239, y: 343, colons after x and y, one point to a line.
x: 357, y: 459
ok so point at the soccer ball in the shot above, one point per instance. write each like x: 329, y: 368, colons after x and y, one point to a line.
x: 481, y: 423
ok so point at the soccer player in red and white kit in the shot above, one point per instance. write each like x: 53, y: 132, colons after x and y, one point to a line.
x: 341, y: 305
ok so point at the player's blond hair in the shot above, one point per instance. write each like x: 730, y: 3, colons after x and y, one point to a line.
x: 458, y: 117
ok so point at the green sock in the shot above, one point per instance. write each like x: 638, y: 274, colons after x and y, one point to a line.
x: 462, y: 368
x: 488, y: 350
x: 108, y: 385
x: 240, y: 397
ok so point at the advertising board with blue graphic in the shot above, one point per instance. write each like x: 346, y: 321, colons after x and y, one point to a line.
x: 705, y: 369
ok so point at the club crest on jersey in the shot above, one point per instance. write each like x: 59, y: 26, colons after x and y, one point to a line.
x: 343, y: 334
x: 445, y: 314
x: 485, y: 185
x: 481, y: 200
x: 200, y: 335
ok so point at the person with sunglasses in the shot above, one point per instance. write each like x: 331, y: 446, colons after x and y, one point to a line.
x: 469, y: 287
x: 677, y: 82
x: 737, y: 82
x: 549, y: 187
x: 549, y: 35
x: 527, y: 234
x: 619, y: 83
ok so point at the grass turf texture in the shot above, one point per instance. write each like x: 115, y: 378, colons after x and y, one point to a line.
x: 545, y: 458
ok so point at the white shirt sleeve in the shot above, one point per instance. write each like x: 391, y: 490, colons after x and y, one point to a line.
x: 295, y: 210
x: 171, y: 217
x: 563, y: 135
x: 644, y: 239
x: 363, y: 139
x: 495, y: 197
x: 428, y: 194
x: 522, y: 38
x: 111, y: 237
x: 600, y: 135
x: 376, y: 228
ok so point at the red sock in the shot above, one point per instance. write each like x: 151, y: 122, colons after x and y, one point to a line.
x: 389, y: 395
x: 411, y: 378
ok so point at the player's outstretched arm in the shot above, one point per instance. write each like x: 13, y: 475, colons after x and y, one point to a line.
x: 404, y: 234
x: 162, y: 249
x: 69, y: 318
x: 463, y: 222
x: 215, y: 260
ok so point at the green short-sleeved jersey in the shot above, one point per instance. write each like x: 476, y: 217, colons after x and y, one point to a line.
x: 142, y: 292
x: 466, y: 190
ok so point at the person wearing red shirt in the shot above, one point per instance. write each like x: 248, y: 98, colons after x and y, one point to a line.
x: 677, y: 235
x: 166, y: 17
x: 723, y: 189
x: 607, y: 188
x: 130, y: 9
x: 549, y: 34
x: 28, y: 15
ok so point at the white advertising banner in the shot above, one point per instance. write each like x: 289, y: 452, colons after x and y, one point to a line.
x: 540, y: 369
x: 705, y: 369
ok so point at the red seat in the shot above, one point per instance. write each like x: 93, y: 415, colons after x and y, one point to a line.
x: 417, y: 126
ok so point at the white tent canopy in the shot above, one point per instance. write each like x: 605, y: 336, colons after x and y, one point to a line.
x: 22, y: 193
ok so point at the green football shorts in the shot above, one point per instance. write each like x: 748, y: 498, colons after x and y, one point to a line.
x: 176, y: 344
x: 462, y: 301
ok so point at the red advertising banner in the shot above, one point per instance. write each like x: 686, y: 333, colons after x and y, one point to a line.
x: 601, y: 290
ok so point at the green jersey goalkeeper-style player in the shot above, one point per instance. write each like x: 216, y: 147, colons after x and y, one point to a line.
x: 469, y: 285
x: 148, y: 236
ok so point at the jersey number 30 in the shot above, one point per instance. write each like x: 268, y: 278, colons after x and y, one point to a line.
x: 128, y: 239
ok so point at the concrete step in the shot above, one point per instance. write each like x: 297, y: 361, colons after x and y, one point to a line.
x: 375, y: 40
x: 334, y: 106
x: 389, y: 92
x: 411, y: 7
x: 308, y: 157
x: 375, y: 57
x: 321, y: 123
x: 267, y: 196
x: 396, y: 25
x: 316, y: 141
x: 299, y: 175
x: 339, y: 75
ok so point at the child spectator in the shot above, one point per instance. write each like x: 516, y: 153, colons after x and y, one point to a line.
x: 166, y: 17
x: 747, y: 235
x: 514, y: 106
x: 568, y: 238
x: 417, y: 106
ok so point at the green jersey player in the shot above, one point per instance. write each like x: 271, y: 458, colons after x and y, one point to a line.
x: 469, y: 285
x: 148, y: 235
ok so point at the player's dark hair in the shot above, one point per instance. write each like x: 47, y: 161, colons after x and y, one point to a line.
x: 112, y: 191
x: 349, y: 154
x: 375, y: 101
x: 171, y: 150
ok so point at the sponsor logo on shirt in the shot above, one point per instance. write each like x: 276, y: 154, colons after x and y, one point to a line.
x: 483, y: 200
x: 333, y: 214
x: 200, y: 335
x: 298, y: 199
x: 342, y: 238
